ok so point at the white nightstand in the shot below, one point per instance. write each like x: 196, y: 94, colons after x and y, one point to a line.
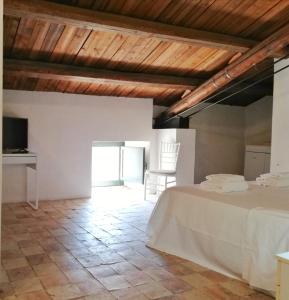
x: 282, y: 288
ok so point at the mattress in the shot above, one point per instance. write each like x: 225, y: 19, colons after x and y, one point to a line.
x: 237, y: 234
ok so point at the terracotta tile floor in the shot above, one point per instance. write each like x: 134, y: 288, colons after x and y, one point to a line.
x: 95, y: 249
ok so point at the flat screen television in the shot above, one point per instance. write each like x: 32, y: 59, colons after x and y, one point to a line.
x: 15, y: 134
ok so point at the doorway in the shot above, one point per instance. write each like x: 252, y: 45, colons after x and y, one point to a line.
x: 106, y: 158
x: 117, y: 164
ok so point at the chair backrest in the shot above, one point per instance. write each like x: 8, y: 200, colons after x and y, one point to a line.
x: 169, y: 153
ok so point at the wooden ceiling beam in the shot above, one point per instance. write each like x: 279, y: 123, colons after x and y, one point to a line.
x: 40, y: 70
x: 102, y: 21
x: 274, y: 43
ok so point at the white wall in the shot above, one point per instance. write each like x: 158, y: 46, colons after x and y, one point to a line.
x: 219, y: 141
x: 186, y: 161
x: 258, y: 122
x: 280, y: 125
x: 62, y: 128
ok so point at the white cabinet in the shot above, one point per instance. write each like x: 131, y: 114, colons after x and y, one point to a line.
x: 257, y: 161
x: 282, y: 288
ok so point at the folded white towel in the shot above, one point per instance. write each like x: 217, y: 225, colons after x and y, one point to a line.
x: 225, y: 178
x: 277, y: 182
x: 275, y: 175
x: 226, y: 187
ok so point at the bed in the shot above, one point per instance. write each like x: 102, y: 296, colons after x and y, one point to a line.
x: 236, y: 234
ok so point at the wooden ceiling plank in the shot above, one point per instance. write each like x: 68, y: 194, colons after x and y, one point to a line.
x: 156, y: 9
x: 105, y: 50
x: 213, y: 62
x: 169, y: 14
x: 29, y: 39
x: 100, y: 76
x: 255, y: 26
x: 49, y: 43
x: 75, y: 45
x: 165, y: 56
x: 23, y: 37
x: 85, y: 3
x: 62, y: 43
x: 212, y: 11
x: 197, y: 11
x: 87, y: 48
x: 40, y: 31
x: 244, y: 15
x: 10, y: 29
x: 117, y: 58
x: 275, y: 42
x: 177, y: 65
x: 218, y: 11
x: 95, y: 20
x: 142, y: 50
x: 128, y: 7
x: 72, y: 87
x: 269, y: 22
x: 203, y: 56
x: 153, y: 56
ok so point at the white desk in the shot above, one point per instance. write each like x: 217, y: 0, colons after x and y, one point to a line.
x: 30, y: 161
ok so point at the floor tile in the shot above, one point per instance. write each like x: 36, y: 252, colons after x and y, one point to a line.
x: 20, y: 273
x: 27, y: 285
x: 154, y: 290
x: 14, y: 263
x: 33, y: 250
x: 129, y: 294
x: 90, y: 261
x: 75, y: 276
x: 158, y: 273
x: 114, y: 282
x: 46, y: 269
x: 38, y: 259
x: 214, y: 276
x: 237, y: 287
x: 197, y: 281
x: 90, y: 286
x: 102, y: 271
x: 6, y: 290
x: 123, y: 267
x: 55, y: 279
x: 65, y: 292
x: 176, y: 285
x: 37, y: 295
x: 3, y: 276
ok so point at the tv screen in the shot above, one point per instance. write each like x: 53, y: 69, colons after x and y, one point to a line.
x: 15, y: 133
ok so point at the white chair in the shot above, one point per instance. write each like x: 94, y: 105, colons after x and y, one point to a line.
x: 168, y: 159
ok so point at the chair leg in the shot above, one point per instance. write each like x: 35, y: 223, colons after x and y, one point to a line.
x: 145, y: 186
x: 166, y: 182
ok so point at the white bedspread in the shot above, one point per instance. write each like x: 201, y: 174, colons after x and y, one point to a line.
x: 236, y: 234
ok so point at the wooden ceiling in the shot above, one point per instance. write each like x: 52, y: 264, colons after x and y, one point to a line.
x: 70, y: 50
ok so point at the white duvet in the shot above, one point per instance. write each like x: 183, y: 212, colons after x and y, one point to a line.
x: 237, y: 234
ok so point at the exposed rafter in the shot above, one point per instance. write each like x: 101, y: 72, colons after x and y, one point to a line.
x: 277, y: 41
x: 95, y: 20
x: 53, y: 71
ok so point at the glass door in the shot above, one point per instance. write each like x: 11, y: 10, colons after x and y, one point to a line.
x: 106, y: 164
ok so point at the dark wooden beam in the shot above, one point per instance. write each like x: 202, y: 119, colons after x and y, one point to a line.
x: 274, y: 43
x: 101, y: 21
x: 34, y: 69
